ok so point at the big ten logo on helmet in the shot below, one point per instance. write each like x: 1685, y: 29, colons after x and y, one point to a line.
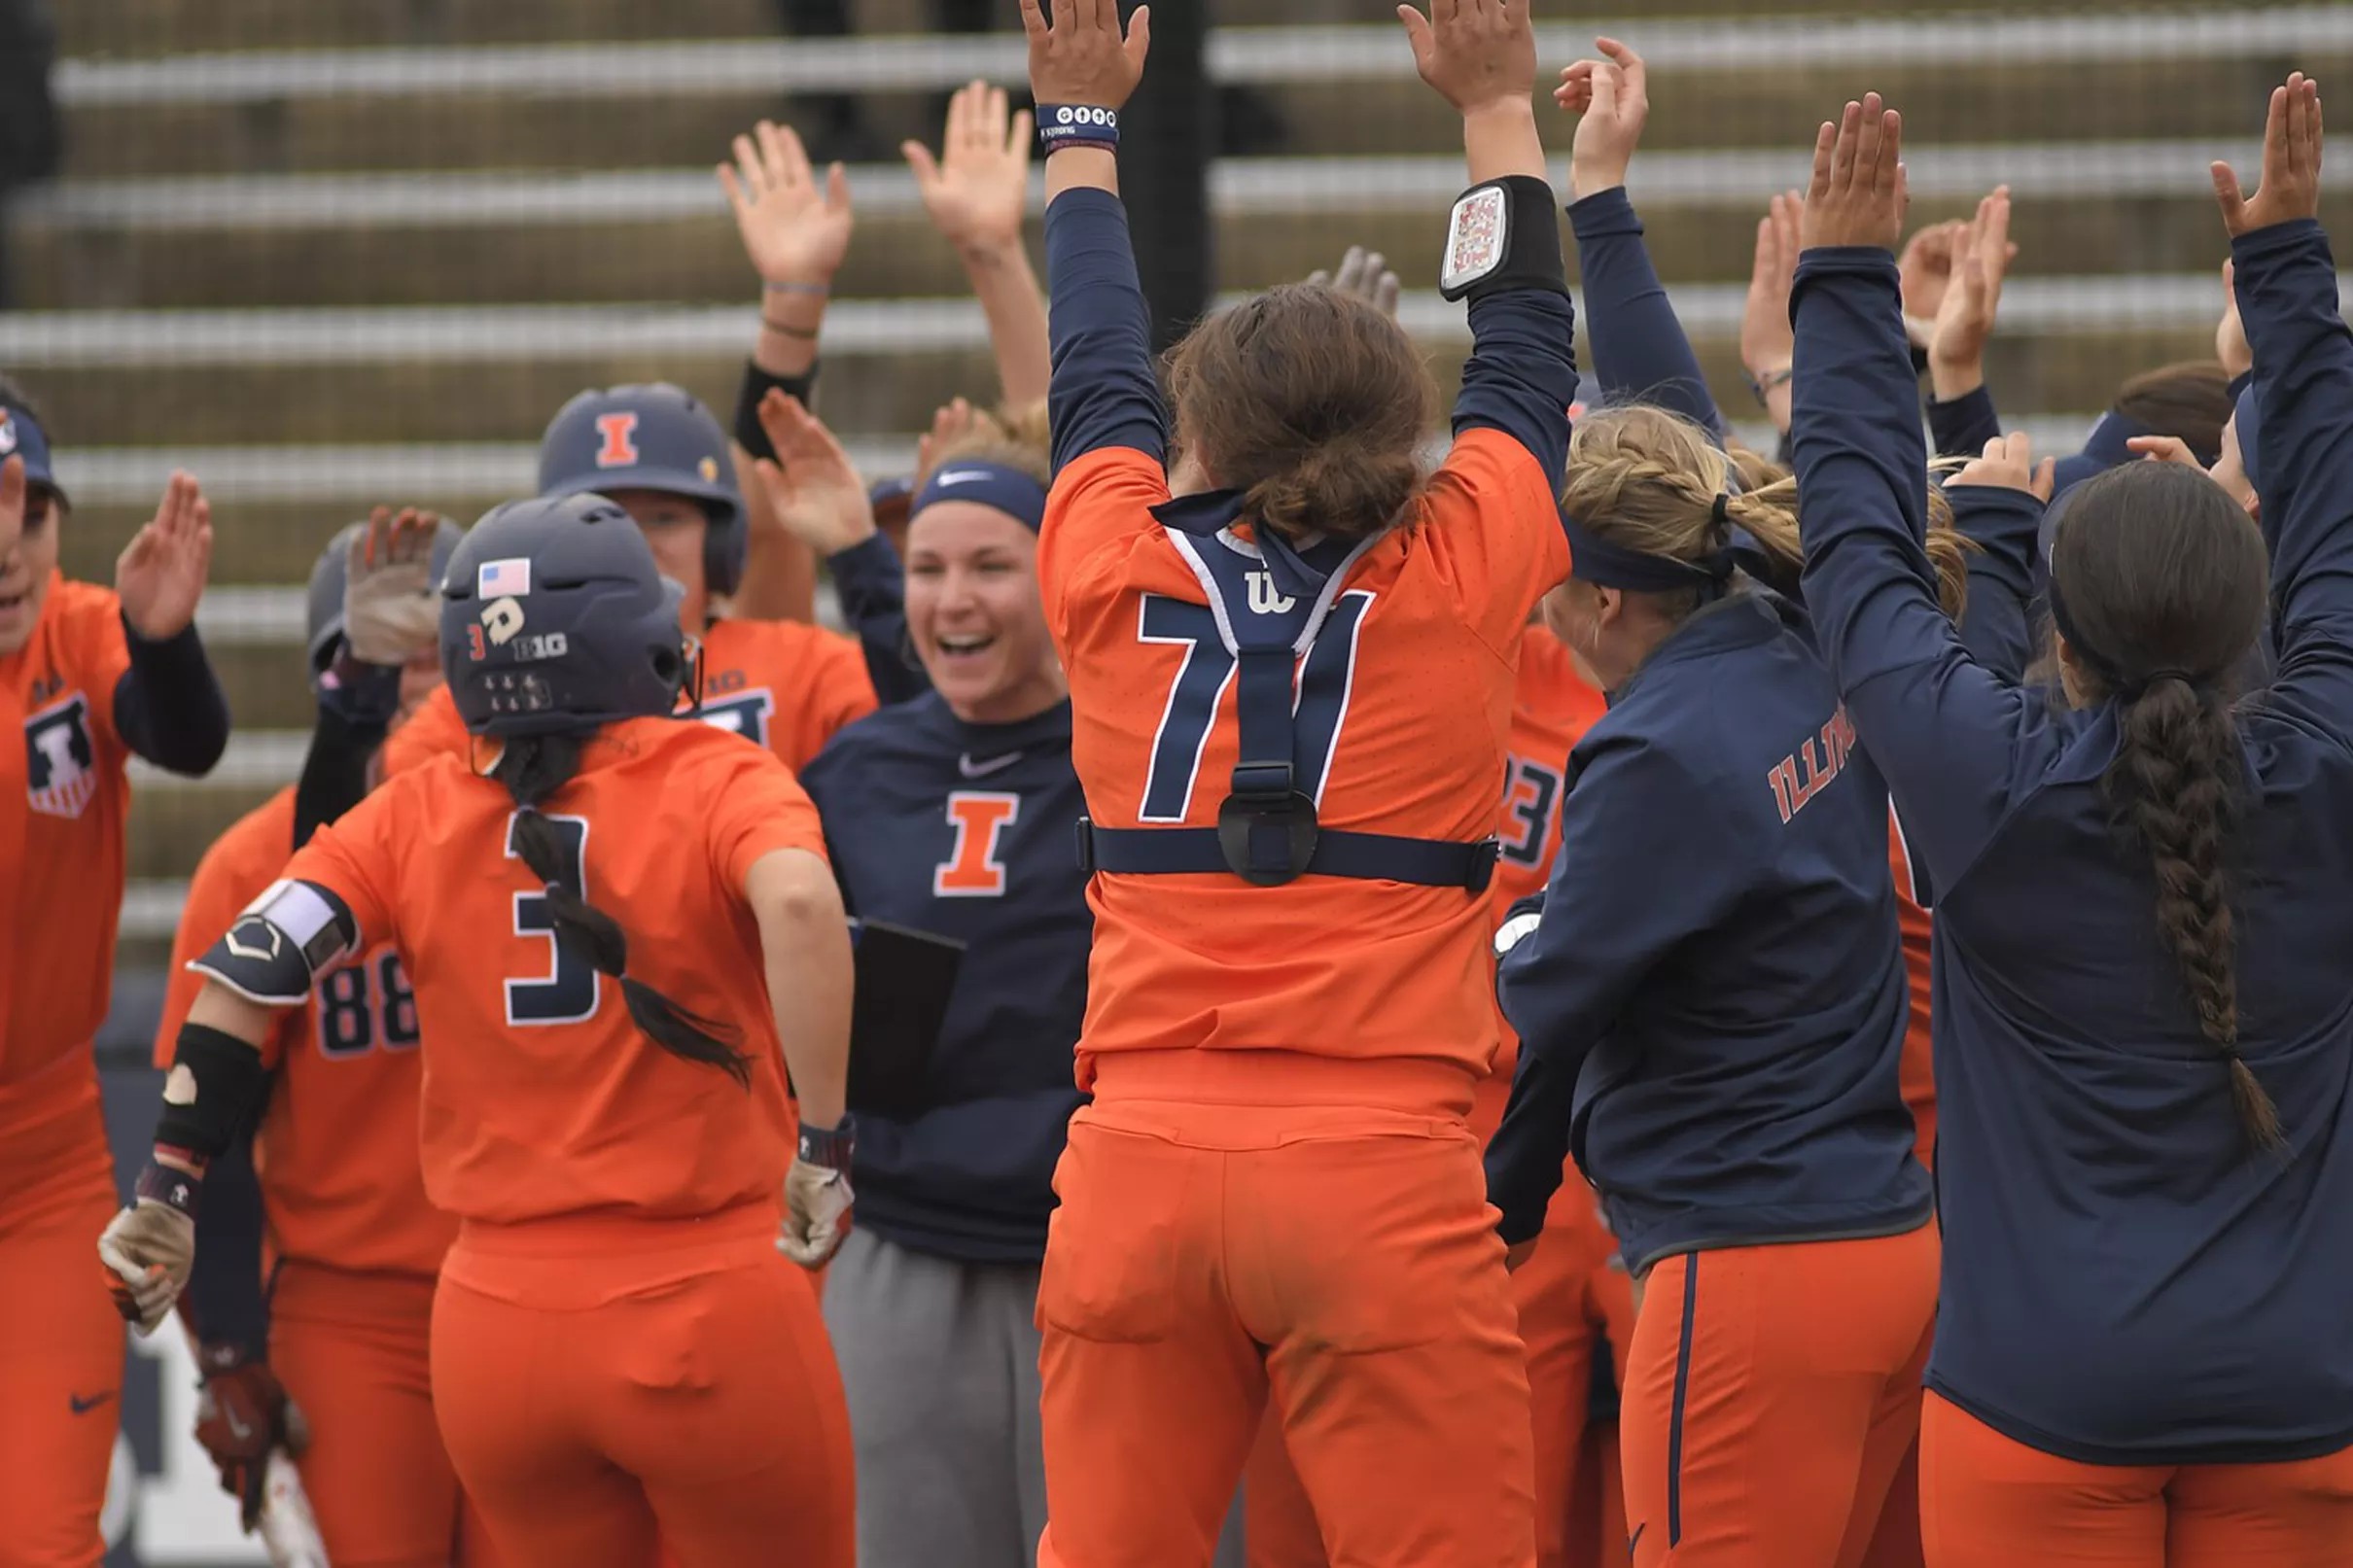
x: 62, y: 776
x: 1807, y: 771
x: 616, y: 440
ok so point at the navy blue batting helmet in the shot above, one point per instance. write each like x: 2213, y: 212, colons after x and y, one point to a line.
x: 331, y: 573
x: 554, y: 618
x: 651, y: 437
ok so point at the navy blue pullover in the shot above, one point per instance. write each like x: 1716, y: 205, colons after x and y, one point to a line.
x: 971, y: 1177
x: 2126, y: 1281
x: 1712, y: 1008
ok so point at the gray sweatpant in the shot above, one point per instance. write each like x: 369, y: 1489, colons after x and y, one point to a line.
x: 939, y: 1360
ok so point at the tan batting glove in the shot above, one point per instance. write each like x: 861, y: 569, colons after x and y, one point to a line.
x: 392, y: 611
x: 149, y: 1250
x: 817, y: 1213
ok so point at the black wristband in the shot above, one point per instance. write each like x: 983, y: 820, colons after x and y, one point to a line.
x: 1504, y: 234
x: 756, y: 382
x: 170, y: 1186
x: 829, y: 1146
x: 215, y: 1078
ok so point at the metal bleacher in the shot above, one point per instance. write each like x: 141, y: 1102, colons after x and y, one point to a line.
x: 332, y: 253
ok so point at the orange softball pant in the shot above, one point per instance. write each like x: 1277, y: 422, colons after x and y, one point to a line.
x: 1989, y: 1502
x: 1573, y: 1304
x: 608, y: 1388
x: 353, y: 1351
x: 1339, y: 1258
x: 1770, y: 1397
x: 62, y: 1341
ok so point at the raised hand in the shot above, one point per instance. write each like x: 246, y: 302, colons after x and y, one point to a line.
x: 951, y: 422
x: 814, y: 487
x: 1767, y: 343
x: 2291, y: 186
x: 1478, y: 53
x: 2231, y: 345
x: 1363, y: 275
x: 1857, y: 196
x: 161, y: 574
x: 1924, y: 271
x: 979, y: 188
x: 2007, y: 464
x: 392, y: 611
x: 2164, y: 449
x: 1964, y: 319
x: 795, y: 232
x: 1612, y: 99
x: 1081, y: 60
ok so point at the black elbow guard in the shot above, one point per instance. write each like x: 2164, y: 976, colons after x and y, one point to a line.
x: 214, y: 1081
x: 1505, y: 234
x: 280, y: 943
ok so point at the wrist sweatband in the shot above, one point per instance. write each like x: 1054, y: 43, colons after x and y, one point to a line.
x: 1504, y: 234
x: 830, y: 1147
x: 756, y: 384
x: 173, y: 1188
x: 1763, y: 384
x: 1070, y: 124
x: 215, y: 1079
x: 364, y: 694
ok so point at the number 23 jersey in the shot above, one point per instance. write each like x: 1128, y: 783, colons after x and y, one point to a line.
x: 540, y: 1096
x: 336, y: 1154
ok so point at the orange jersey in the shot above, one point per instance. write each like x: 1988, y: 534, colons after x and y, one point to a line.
x: 1553, y: 706
x: 336, y: 1152
x: 786, y: 684
x: 541, y: 1097
x: 1919, y: 1071
x: 64, y: 810
x: 1324, y: 965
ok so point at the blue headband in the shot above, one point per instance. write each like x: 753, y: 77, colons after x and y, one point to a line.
x: 993, y: 484
x: 1595, y: 560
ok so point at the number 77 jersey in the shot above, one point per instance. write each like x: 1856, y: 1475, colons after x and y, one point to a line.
x: 1401, y: 699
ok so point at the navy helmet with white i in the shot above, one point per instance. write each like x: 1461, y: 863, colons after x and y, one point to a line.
x: 650, y: 435
x: 556, y: 619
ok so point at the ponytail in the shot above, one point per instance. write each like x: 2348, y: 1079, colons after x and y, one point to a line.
x: 532, y: 769
x: 2174, y: 787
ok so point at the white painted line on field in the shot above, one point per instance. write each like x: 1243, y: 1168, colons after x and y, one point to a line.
x: 770, y: 66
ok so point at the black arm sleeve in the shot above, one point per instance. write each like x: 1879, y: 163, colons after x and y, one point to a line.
x: 168, y: 706
x: 225, y: 1300
x: 334, y: 771
x: 750, y: 435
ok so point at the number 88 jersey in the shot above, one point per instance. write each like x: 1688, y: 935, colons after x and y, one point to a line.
x: 341, y: 1182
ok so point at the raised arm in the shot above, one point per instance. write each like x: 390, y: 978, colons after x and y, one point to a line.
x: 168, y: 707
x: 1939, y: 726
x: 975, y: 193
x: 1997, y: 505
x: 1640, y: 348
x: 1961, y: 416
x: 1767, y: 346
x: 796, y: 234
x: 1104, y: 392
x: 2286, y: 284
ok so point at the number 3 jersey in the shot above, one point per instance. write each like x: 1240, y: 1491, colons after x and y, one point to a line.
x: 336, y: 1153
x: 538, y: 1095
x: 1403, y: 721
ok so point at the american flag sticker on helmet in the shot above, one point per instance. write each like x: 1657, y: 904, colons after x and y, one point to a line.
x: 504, y: 580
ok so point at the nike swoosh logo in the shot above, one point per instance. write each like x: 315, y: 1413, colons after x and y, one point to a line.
x: 981, y: 770
x: 236, y: 1429
x: 959, y: 476
x: 82, y: 1406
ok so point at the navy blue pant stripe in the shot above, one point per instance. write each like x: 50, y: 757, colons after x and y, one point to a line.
x: 1674, y: 1417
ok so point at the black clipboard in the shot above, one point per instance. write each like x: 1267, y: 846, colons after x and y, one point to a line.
x: 899, y: 1002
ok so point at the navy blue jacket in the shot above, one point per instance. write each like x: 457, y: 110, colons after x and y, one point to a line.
x: 2126, y: 1281
x: 1713, y: 1007
x: 972, y: 1177
x: 1640, y: 351
x: 871, y: 583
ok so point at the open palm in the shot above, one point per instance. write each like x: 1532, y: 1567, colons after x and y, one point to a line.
x: 979, y: 188
x: 794, y: 230
x: 161, y: 574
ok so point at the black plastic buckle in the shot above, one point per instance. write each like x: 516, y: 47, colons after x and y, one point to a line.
x: 1483, y: 865
x: 1086, y: 847
x: 1267, y: 840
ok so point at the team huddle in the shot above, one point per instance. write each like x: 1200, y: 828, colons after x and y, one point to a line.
x: 1086, y: 1070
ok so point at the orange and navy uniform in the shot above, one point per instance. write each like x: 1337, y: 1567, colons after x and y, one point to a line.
x: 64, y: 810
x: 612, y: 1316
x: 353, y: 1244
x: 784, y: 685
x: 1571, y: 1300
x: 1274, y: 1194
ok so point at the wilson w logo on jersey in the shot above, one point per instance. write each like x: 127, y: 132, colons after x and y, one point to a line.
x: 1808, y: 770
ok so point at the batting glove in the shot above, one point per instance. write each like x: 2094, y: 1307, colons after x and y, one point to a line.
x: 150, y: 1248
x: 242, y: 1414
x: 391, y: 612
x: 818, y: 1195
